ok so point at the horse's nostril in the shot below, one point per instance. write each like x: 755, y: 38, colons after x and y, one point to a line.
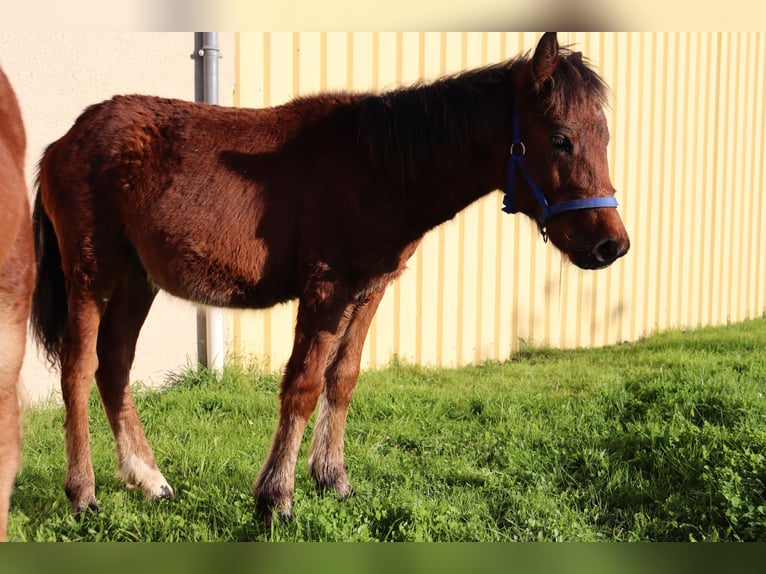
x: 608, y: 250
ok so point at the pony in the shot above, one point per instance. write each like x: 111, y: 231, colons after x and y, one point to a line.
x: 322, y: 199
x: 16, y: 284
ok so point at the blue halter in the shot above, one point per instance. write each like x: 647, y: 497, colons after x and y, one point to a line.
x: 517, y: 152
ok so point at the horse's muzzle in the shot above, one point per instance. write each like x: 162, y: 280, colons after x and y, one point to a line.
x: 604, y: 253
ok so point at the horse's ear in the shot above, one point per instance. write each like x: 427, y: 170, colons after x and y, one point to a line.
x: 546, y: 59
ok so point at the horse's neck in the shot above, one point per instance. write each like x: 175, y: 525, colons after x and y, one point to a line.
x: 440, y: 199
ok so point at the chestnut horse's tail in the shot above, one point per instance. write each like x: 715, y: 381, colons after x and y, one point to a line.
x: 49, y: 299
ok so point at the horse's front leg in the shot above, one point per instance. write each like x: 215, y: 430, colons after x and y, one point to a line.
x: 13, y: 330
x: 326, y: 464
x: 319, y: 326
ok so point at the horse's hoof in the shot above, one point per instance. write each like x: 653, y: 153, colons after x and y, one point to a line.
x: 166, y: 493
x: 268, y: 509
x: 84, y: 509
x: 157, y: 491
x: 81, y: 503
x: 343, y: 490
x: 335, y: 482
x: 269, y: 515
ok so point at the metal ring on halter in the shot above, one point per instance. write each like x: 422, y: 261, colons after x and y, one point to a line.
x: 523, y: 149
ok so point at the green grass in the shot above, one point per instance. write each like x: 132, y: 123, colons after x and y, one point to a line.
x: 664, y: 439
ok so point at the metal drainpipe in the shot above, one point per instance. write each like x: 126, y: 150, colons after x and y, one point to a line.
x: 210, y: 350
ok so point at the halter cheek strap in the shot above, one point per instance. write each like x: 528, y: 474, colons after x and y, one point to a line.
x: 517, y: 152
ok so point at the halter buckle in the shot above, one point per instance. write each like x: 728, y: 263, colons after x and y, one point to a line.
x: 522, y: 151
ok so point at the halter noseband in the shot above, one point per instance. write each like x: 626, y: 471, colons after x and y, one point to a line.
x: 517, y: 152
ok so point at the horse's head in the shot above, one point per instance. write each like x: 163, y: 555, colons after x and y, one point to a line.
x: 559, y: 147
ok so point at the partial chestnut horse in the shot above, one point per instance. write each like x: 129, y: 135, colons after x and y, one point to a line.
x: 16, y: 283
x: 322, y: 199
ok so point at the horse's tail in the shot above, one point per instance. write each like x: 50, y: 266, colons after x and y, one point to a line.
x: 49, y: 299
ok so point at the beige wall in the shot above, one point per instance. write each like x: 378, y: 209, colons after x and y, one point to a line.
x: 687, y: 157
x: 56, y: 75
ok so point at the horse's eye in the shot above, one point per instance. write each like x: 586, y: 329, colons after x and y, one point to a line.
x: 562, y: 143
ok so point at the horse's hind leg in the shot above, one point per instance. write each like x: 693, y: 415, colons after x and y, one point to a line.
x: 78, y: 367
x: 326, y: 464
x: 124, y: 315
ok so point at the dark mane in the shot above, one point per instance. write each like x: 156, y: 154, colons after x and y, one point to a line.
x: 455, y: 118
x: 404, y: 128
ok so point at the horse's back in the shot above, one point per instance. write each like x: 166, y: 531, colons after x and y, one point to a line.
x: 207, y: 197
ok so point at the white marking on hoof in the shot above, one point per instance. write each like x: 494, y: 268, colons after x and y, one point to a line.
x: 137, y: 474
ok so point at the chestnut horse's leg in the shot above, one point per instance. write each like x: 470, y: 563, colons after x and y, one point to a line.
x: 326, y: 455
x: 13, y: 329
x: 78, y: 368
x: 321, y: 322
x: 124, y: 315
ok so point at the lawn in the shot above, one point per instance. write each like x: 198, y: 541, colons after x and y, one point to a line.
x: 663, y: 439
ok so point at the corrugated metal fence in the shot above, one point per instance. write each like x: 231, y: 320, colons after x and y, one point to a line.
x: 688, y: 125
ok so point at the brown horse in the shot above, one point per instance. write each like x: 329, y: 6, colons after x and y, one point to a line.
x: 16, y: 284
x: 322, y: 199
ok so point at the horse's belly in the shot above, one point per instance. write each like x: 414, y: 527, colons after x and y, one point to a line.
x: 245, y: 276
